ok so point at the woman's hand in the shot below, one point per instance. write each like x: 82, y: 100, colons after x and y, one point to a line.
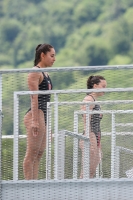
x: 35, y: 128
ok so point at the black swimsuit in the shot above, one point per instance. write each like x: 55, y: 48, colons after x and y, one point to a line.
x: 95, y: 122
x: 46, y: 84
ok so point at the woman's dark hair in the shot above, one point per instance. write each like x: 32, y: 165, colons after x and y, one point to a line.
x: 39, y: 49
x: 94, y: 80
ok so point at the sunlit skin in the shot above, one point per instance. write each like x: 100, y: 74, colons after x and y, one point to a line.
x: 95, y: 151
x: 34, y: 120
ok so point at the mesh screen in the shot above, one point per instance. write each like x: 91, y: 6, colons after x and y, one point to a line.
x: 123, y: 138
x: 68, y: 80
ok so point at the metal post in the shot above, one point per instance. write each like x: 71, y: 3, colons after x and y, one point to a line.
x: 48, y: 143
x: 61, y: 154
x: 56, y: 136
x: 16, y: 137
x: 86, y: 156
x: 0, y: 154
x: 0, y: 132
x: 1, y: 92
x: 117, y: 162
x: 75, y: 147
x: 113, y: 145
x: 97, y: 171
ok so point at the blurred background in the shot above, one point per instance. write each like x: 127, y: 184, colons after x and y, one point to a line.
x: 83, y: 33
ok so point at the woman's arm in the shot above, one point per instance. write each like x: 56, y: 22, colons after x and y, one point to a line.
x: 33, y: 83
x: 87, y: 99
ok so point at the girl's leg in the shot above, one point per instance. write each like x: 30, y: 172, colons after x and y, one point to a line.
x: 42, y: 147
x: 94, y: 155
x: 33, y: 146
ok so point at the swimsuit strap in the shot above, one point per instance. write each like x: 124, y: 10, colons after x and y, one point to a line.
x: 91, y: 96
x: 42, y: 72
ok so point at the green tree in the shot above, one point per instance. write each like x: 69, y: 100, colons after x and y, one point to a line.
x: 120, y: 37
x: 87, y: 11
x: 10, y: 30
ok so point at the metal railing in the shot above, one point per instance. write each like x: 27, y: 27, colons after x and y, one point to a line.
x: 56, y: 134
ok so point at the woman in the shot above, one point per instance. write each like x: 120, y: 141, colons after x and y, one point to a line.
x: 35, y: 118
x: 93, y: 82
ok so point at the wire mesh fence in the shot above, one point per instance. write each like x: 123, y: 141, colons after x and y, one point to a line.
x: 66, y: 122
x: 69, y: 78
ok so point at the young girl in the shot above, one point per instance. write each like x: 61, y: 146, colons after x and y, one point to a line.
x: 35, y: 118
x: 93, y: 82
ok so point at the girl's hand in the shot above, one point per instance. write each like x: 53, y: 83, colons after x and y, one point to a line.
x: 35, y: 128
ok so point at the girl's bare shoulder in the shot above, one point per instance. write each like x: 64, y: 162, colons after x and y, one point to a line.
x: 88, y: 98
x: 34, y: 75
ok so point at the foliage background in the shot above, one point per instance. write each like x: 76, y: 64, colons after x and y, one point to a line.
x: 83, y: 33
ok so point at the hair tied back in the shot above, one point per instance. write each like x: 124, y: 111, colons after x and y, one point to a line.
x: 91, y: 77
x: 38, y: 46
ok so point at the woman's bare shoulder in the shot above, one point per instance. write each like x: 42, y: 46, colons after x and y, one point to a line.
x: 34, y: 75
x: 88, y: 98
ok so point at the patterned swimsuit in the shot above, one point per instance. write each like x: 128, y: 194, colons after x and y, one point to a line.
x: 95, y: 122
x: 46, y: 84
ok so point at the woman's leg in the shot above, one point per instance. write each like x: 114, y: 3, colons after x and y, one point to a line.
x: 42, y: 147
x: 94, y: 155
x: 30, y: 166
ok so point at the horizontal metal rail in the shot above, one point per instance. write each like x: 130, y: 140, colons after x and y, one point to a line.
x: 80, y: 136
x: 117, y: 133
x: 76, y: 135
x: 80, y: 68
x: 123, y: 125
x: 125, y: 149
x: 105, y: 111
x: 12, y: 136
x: 93, y: 103
x: 74, y: 91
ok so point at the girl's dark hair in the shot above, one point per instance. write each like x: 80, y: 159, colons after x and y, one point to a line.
x: 94, y: 80
x: 39, y: 49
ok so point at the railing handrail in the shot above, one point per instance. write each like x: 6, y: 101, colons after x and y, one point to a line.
x: 74, y: 135
x: 78, y: 68
x: 74, y: 91
x: 82, y: 137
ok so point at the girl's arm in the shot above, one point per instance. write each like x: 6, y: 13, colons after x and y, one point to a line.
x: 33, y: 83
x: 87, y: 99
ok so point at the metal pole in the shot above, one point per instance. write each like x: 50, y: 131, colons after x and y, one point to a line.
x: 56, y: 136
x: 86, y: 156
x: 0, y: 133
x: 61, y: 154
x: 75, y: 147
x: 0, y: 154
x: 97, y: 171
x: 117, y: 162
x: 1, y: 92
x: 16, y: 137
x: 113, y: 145
x: 48, y: 143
